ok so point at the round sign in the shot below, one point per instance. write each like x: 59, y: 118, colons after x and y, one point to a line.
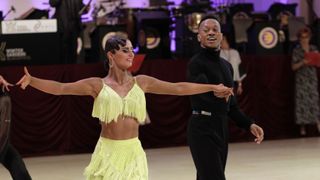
x: 110, y: 34
x: 150, y: 38
x: 268, y: 37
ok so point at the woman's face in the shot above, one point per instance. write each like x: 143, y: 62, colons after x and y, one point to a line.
x: 123, y: 58
x: 224, y: 43
x: 304, y: 38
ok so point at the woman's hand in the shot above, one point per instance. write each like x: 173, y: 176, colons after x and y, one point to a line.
x: 305, y: 62
x: 222, y: 91
x: 25, y: 80
x: 239, y: 89
x: 5, y: 84
x: 302, y: 63
x: 220, y: 88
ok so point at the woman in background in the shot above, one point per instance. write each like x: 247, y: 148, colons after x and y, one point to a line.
x: 306, y: 83
x: 233, y: 57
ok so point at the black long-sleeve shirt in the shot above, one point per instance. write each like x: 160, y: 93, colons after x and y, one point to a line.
x: 208, y: 67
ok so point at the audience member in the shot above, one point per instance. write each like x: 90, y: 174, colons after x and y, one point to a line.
x: 306, y: 83
x: 233, y: 57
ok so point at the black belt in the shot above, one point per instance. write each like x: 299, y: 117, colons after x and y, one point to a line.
x: 206, y: 113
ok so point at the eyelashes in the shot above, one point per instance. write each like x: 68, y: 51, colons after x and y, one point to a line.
x: 127, y: 50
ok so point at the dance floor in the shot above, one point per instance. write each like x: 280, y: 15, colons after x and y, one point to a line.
x: 291, y: 159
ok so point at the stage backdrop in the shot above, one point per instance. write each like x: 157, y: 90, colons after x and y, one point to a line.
x: 44, y: 124
x: 22, y: 6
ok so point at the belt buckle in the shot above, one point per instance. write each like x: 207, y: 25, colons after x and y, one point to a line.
x: 205, y: 113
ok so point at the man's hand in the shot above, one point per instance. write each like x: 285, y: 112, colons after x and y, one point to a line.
x: 257, y: 131
x: 222, y: 91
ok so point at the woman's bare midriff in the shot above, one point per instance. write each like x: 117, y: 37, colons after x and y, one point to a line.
x: 124, y: 128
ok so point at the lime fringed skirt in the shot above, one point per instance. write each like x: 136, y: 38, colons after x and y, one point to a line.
x: 117, y: 160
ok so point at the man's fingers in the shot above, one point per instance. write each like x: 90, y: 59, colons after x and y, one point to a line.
x: 258, y: 132
x: 259, y: 139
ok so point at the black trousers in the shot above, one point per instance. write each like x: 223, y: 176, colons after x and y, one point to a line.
x: 11, y: 159
x: 69, y: 47
x: 208, y: 143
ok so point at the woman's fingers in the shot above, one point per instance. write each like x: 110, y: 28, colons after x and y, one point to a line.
x: 26, y: 72
x: 25, y: 80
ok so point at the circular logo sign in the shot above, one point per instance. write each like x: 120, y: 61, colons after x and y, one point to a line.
x: 142, y: 38
x: 152, y: 38
x: 268, y: 37
x: 110, y: 34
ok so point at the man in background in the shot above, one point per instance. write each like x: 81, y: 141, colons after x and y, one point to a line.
x: 68, y: 14
x: 9, y: 156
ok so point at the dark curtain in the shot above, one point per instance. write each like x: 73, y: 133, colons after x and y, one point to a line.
x: 44, y: 124
x: 268, y: 96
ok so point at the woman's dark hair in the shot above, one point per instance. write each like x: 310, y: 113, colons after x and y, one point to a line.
x: 227, y: 36
x: 112, y: 44
x: 304, y: 30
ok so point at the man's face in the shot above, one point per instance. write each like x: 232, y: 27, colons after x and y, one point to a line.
x: 209, y: 34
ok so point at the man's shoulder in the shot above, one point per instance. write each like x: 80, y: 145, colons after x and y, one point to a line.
x: 196, y: 57
x: 224, y: 60
x: 227, y: 63
x: 195, y: 61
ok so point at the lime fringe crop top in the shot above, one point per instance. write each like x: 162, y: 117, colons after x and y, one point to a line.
x: 108, y: 105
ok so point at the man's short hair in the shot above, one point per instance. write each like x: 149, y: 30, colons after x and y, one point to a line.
x: 208, y: 17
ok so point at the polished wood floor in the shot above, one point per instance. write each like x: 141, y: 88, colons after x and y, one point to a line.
x: 293, y: 159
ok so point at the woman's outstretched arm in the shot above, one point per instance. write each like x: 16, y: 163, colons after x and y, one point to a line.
x: 156, y: 86
x: 87, y: 86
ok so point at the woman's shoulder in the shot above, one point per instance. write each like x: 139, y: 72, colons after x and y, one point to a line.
x: 234, y: 52
x: 313, y: 47
x: 143, y: 81
x: 93, y: 80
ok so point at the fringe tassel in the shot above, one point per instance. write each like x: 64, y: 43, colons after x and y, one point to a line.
x: 122, y: 160
x: 108, y: 109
